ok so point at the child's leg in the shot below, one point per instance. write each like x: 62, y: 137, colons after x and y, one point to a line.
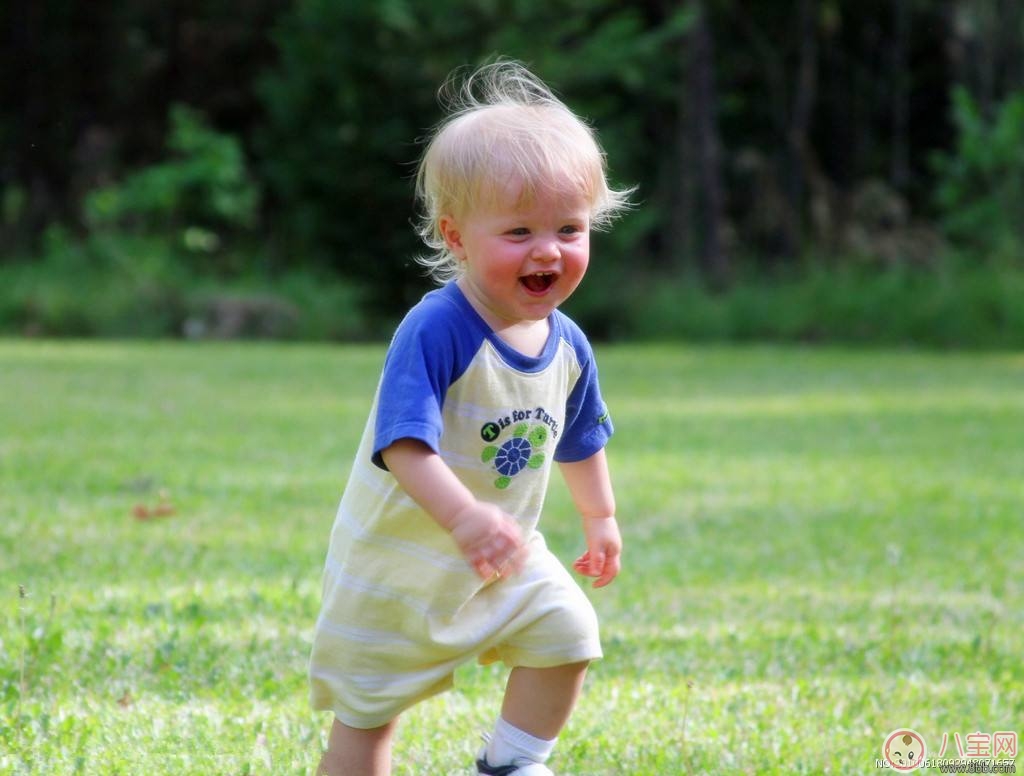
x: 356, y: 752
x: 539, y: 701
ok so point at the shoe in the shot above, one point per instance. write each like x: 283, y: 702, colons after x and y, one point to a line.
x: 516, y: 768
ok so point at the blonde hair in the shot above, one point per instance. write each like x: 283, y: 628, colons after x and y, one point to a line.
x: 506, y: 128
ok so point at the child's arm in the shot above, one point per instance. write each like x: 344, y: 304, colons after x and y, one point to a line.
x: 488, y: 537
x: 591, y: 489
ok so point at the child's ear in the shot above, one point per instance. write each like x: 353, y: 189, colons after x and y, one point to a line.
x: 452, y: 236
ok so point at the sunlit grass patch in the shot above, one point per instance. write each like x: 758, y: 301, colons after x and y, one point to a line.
x: 821, y: 546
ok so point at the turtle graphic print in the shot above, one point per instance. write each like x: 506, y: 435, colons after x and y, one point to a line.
x: 523, y: 450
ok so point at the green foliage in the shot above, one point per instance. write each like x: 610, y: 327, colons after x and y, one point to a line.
x: 345, y: 90
x: 156, y: 262
x: 354, y: 89
x: 330, y: 97
x: 980, y: 185
x: 820, y: 547
x: 203, y: 186
x: 955, y: 304
x: 103, y: 285
x: 121, y: 284
x: 337, y: 156
x: 12, y: 205
x: 128, y: 285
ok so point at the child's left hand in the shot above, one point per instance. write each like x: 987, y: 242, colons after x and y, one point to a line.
x: 604, y: 550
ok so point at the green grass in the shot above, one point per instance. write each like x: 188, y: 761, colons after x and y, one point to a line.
x: 821, y: 546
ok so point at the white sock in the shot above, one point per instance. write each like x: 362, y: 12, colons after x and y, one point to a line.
x: 509, y: 743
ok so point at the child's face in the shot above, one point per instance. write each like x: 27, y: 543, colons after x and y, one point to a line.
x: 521, y: 261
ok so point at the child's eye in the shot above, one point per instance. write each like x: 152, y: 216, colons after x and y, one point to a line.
x: 521, y: 231
x: 570, y: 229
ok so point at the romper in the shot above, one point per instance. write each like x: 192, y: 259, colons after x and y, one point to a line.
x: 401, y: 607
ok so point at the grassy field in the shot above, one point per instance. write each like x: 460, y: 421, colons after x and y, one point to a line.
x: 822, y: 546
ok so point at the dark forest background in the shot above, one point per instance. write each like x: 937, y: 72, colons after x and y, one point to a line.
x: 814, y: 170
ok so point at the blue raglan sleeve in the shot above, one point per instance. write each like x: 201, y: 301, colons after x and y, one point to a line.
x: 420, y: 364
x: 588, y: 426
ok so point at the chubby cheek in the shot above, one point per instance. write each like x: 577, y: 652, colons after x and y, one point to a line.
x: 575, y: 266
x: 502, y: 269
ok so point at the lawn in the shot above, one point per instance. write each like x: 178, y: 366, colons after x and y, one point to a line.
x: 822, y: 546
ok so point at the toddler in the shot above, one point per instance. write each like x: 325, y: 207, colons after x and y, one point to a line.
x: 435, y: 557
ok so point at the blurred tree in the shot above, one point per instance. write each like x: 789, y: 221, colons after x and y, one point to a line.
x: 203, y: 188
x: 703, y: 107
x: 44, y: 94
x: 980, y: 186
x: 820, y: 100
x: 694, y: 210
x: 752, y: 128
x: 355, y: 86
x: 350, y: 94
x: 986, y: 49
x: 86, y: 88
x: 899, y: 172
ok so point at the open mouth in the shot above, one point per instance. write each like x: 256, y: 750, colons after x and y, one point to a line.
x: 538, y: 282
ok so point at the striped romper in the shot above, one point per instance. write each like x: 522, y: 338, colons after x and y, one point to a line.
x: 401, y: 607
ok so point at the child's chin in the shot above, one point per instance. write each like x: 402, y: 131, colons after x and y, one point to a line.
x: 546, y: 300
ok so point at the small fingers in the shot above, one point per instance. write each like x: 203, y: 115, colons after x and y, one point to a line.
x: 483, y: 569
x: 504, y: 557
x: 582, y: 564
x: 488, y: 559
x: 597, y: 564
x: 609, y: 570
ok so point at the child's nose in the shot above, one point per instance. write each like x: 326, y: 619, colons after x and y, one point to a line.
x: 546, y: 250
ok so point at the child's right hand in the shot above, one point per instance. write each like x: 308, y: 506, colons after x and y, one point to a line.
x: 490, y: 540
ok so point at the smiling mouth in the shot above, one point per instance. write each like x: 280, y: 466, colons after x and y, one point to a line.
x: 538, y: 282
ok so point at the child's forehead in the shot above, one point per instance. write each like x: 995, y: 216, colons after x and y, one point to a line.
x: 518, y: 196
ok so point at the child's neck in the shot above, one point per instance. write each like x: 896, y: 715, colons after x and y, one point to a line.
x: 528, y: 337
